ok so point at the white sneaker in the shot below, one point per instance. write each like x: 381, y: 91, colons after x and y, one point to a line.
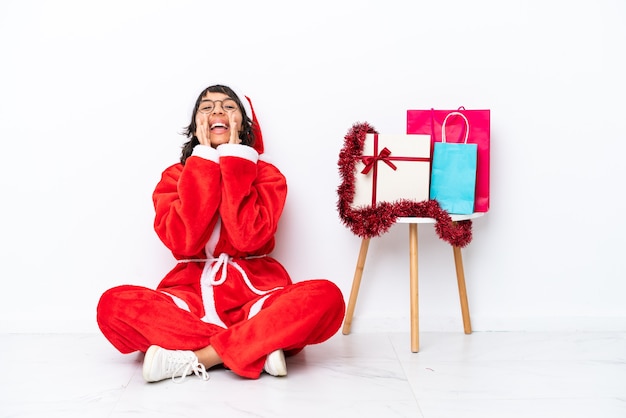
x: 159, y: 364
x: 275, y: 363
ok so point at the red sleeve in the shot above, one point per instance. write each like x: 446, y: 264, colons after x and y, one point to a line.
x: 253, y: 198
x: 186, y: 201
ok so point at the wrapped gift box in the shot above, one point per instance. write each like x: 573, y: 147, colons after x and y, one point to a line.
x: 393, y: 167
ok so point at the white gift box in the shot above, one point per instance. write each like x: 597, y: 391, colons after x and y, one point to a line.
x: 392, y: 167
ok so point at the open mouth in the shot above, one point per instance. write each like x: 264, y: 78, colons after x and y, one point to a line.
x: 218, y: 125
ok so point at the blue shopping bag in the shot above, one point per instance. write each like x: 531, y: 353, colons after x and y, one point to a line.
x: 453, y: 176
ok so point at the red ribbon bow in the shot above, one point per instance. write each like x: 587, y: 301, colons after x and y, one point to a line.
x: 383, y: 156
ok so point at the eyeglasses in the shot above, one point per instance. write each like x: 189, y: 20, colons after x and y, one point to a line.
x: 228, y: 105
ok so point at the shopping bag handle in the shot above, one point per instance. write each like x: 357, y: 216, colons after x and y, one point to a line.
x: 443, y: 126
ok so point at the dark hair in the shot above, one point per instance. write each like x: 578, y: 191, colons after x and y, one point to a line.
x: 246, y: 135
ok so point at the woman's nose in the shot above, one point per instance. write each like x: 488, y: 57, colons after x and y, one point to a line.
x: 215, y: 108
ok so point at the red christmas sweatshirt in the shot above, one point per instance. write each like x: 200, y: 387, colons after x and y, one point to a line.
x: 218, y: 215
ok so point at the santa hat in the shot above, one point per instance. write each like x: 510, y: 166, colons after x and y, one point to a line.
x: 256, y: 128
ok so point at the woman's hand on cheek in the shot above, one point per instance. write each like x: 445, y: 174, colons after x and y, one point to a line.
x: 234, y: 129
x: 202, y: 132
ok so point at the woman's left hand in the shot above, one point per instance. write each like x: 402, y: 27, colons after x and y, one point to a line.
x: 234, y: 129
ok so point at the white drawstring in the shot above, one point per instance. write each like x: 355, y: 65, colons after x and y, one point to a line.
x: 208, y: 281
x: 222, y: 262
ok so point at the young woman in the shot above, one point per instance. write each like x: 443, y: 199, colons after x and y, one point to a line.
x: 227, y: 301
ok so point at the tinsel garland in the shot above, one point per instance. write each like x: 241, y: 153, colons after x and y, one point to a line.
x: 372, y: 221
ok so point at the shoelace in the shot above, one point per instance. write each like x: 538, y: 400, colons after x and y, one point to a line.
x: 182, y: 364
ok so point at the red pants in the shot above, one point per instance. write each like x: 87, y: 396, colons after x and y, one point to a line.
x: 132, y: 318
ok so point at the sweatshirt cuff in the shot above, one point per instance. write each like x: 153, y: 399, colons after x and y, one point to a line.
x: 206, y: 152
x: 238, y: 150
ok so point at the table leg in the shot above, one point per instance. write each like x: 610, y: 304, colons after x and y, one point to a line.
x: 415, y: 342
x: 460, y: 276
x: 356, y: 283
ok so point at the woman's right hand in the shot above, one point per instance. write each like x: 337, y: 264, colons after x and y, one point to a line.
x: 202, y: 132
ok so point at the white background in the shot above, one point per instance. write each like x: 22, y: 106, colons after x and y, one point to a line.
x: 94, y: 94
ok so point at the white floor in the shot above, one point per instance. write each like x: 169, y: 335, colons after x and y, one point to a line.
x: 504, y: 375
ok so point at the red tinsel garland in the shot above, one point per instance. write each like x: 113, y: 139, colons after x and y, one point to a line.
x: 371, y: 221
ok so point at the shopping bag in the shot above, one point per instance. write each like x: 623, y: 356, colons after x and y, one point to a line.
x: 453, y: 176
x: 430, y: 122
